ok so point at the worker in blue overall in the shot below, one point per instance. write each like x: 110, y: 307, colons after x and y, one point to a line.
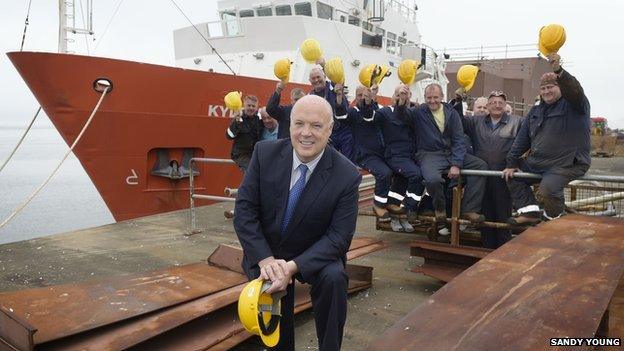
x: 369, y: 150
x: 341, y: 138
x: 282, y: 112
x: 397, y: 127
x: 441, y: 145
x: 556, y: 134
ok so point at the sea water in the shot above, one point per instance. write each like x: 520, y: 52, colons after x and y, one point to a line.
x: 69, y: 202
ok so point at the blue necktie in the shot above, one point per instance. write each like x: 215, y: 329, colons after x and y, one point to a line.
x: 293, y: 196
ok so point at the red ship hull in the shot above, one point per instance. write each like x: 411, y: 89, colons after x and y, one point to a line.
x: 150, y: 107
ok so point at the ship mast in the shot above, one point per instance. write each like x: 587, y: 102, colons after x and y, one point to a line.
x: 67, y: 23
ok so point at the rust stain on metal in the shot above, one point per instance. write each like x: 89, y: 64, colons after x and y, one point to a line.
x: 125, y: 311
x: 554, y: 280
x: 63, y: 310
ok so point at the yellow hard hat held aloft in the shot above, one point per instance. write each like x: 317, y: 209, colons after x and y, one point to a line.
x: 466, y: 76
x: 384, y: 71
x: 334, y: 70
x: 551, y: 38
x: 281, y: 69
x: 259, y: 312
x: 311, y: 50
x: 366, y: 74
x: 407, y: 71
x: 373, y: 74
x: 234, y: 100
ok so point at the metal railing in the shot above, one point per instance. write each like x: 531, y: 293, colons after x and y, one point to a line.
x: 193, y: 196
x: 593, y: 195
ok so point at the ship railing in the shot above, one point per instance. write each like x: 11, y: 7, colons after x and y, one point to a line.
x: 592, y: 195
x: 193, y: 195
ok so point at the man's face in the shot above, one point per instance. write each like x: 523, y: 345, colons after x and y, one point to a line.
x: 251, y: 107
x: 496, y: 106
x: 317, y: 79
x: 480, y: 107
x: 310, y: 128
x: 550, y: 93
x: 268, y: 121
x: 433, y: 98
x: 295, y: 96
x: 359, y: 94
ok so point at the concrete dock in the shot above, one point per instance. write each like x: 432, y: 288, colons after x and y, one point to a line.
x: 159, y: 241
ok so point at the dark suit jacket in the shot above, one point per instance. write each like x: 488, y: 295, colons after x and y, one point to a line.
x: 323, y: 222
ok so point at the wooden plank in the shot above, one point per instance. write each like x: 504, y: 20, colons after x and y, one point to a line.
x: 554, y: 280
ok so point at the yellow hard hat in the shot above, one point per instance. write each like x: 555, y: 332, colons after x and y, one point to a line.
x: 259, y: 312
x: 466, y: 76
x: 551, y: 38
x: 281, y: 69
x: 233, y: 100
x: 373, y: 74
x: 334, y: 70
x: 311, y: 50
x: 407, y: 71
x: 366, y: 74
x: 384, y: 71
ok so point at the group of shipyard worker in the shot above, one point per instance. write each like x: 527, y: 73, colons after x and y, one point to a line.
x: 297, y: 206
x: 410, y: 148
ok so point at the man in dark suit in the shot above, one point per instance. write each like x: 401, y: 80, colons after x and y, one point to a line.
x: 295, y: 217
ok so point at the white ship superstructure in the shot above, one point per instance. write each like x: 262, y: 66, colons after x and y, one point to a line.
x: 250, y: 36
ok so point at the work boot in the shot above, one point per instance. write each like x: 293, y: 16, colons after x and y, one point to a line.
x: 228, y: 214
x: 396, y: 226
x: 473, y: 217
x: 412, y: 216
x: 440, y: 216
x: 395, y: 209
x: 407, y: 227
x: 528, y: 218
x: 381, y: 213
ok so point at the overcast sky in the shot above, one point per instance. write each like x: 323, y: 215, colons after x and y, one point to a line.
x: 142, y: 31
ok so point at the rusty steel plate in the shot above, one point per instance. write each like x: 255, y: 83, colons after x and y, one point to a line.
x: 554, y: 280
x: 62, y: 310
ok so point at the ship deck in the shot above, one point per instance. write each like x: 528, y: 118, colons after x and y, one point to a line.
x: 159, y: 241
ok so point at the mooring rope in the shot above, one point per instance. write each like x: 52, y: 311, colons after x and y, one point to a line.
x: 27, y: 201
x: 21, y: 139
x: 25, y: 26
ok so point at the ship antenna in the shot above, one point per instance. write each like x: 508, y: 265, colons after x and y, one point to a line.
x: 203, y: 37
x: 25, y: 26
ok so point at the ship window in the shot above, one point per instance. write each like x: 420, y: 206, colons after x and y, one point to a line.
x: 324, y: 11
x: 283, y: 10
x: 367, y: 25
x: 303, y: 9
x: 228, y: 15
x: 343, y: 19
x: 246, y: 13
x: 264, y: 11
x: 391, y: 45
x: 402, y: 40
x: 372, y: 40
x: 380, y: 31
x: 354, y: 21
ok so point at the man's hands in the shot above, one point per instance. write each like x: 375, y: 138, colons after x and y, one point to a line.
x: 339, y: 90
x: 321, y: 62
x: 237, y: 116
x: 555, y: 61
x: 280, y: 87
x: 404, y: 96
x: 508, y: 173
x: 367, y: 95
x: 453, y: 172
x: 278, y: 271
